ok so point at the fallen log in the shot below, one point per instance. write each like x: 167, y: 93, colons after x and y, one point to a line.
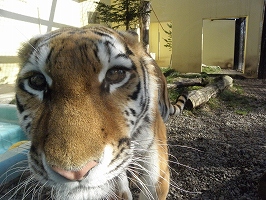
x: 198, y: 97
x: 185, y: 82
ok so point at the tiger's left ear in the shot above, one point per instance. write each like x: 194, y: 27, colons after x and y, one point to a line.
x: 131, y: 37
x: 163, y: 99
x: 27, y: 48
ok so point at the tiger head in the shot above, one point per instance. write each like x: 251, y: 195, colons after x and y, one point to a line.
x: 88, y: 100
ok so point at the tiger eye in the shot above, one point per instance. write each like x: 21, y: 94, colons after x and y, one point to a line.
x: 37, y: 82
x: 115, y: 75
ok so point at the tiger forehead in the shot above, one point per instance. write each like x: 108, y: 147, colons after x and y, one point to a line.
x: 72, y: 39
x: 75, y: 41
x: 72, y: 47
x: 83, y: 35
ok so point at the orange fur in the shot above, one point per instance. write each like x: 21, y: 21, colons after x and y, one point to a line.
x: 73, y: 123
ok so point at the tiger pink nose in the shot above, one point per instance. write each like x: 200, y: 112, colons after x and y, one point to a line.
x: 75, y: 175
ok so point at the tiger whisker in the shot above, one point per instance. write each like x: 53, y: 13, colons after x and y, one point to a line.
x: 28, y: 190
x: 13, y: 170
x: 18, y: 187
x: 147, y: 192
x: 171, y: 169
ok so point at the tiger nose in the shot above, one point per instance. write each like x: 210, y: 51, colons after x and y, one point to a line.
x: 75, y: 175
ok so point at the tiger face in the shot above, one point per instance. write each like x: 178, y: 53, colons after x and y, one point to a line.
x: 92, y: 102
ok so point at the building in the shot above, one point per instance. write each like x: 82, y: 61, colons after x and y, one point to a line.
x: 210, y: 31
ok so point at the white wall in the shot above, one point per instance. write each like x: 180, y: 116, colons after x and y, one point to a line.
x: 218, y: 43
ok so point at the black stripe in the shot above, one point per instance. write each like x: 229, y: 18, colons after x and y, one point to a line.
x: 107, y: 45
x: 25, y: 117
x: 101, y: 33
x: 181, y: 100
x: 146, y: 101
x: 28, y: 126
x: 21, y: 85
x: 147, y: 119
x: 134, y: 96
x: 124, y: 141
x: 83, y: 51
x: 19, y: 105
x: 127, y: 113
x: 133, y: 112
x: 95, y: 51
x: 128, y: 51
x: 180, y: 108
x: 121, y: 55
x: 48, y: 37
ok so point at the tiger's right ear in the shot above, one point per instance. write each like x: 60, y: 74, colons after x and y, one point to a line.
x: 27, y: 48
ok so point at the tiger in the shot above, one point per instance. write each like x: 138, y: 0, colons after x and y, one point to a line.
x: 94, y: 104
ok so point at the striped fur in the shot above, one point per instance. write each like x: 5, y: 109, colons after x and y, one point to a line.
x: 93, y: 103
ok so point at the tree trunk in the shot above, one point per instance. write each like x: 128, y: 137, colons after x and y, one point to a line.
x: 127, y: 21
x: 198, y: 97
x: 262, y: 65
x: 145, y: 23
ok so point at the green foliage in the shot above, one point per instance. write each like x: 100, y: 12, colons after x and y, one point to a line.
x: 172, y: 77
x: 2, y: 80
x: 170, y: 74
x: 167, y: 71
x: 13, y: 101
x: 120, y: 13
x: 168, y: 40
x: 211, y: 69
x: 214, y: 103
x: 173, y: 94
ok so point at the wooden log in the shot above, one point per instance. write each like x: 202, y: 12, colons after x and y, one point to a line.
x: 198, y: 97
x: 185, y: 82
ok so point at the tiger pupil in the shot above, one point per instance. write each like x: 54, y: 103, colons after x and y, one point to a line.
x: 37, y: 82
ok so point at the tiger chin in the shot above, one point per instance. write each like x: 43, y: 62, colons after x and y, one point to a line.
x: 93, y: 103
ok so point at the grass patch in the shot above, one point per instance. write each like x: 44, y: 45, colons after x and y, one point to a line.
x: 234, y: 99
x: 13, y: 101
x: 171, y: 74
x: 167, y: 71
x: 214, y: 103
x: 211, y: 69
x: 242, y: 112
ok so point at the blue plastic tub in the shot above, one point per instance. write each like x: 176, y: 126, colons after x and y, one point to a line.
x: 13, y: 152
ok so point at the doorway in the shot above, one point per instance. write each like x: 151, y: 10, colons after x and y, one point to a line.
x: 223, y: 44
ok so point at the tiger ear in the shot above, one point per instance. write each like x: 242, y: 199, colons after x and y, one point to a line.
x: 131, y: 37
x: 163, y: 99
x: 27, y: 48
